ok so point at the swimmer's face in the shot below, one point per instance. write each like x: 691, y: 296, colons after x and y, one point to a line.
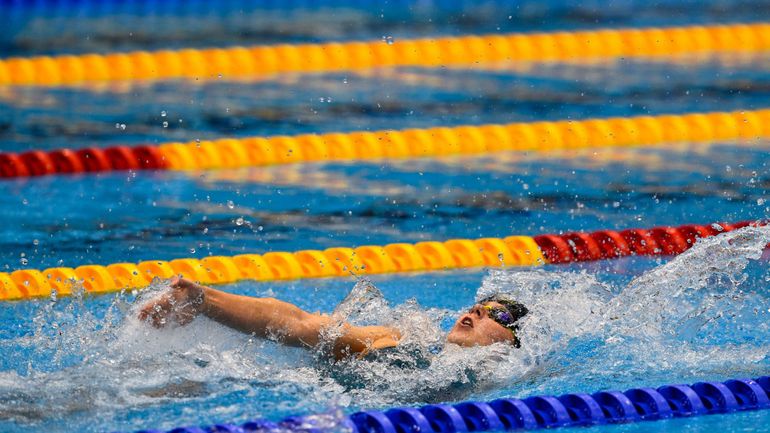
x: 476, y: 328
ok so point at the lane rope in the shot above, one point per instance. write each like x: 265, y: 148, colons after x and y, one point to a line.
x: 364, y: 260
x: 242, y: 62
x: 536, y: 412
x: 541, y: 136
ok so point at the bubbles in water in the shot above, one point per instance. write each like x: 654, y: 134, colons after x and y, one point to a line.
x: 230, y: 204
x: 388, y: 40
x: 239, y: 221
x: 121, y: 126
x: 165, y: 124
x: 163, y: 113
x: 687, y: 315
x: 671, y: 321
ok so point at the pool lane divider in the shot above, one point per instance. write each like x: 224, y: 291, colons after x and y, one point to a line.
x: 541, y: 136
x: 536, y: 412
x: 365, y: 260
x: 243, y: 62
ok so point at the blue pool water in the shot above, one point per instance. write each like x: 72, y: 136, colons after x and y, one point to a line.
x: 88, y: 365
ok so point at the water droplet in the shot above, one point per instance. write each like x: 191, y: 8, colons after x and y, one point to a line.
x: 388, y: 40
x: 205, y: 230
x: 163, y: 113
x: 121, y: 126
x: 192, y: 250
x: 23, y: 261
x: 35, y: 242
x: 165, y: 124
x: 230, y: 204
x: 239, y: 221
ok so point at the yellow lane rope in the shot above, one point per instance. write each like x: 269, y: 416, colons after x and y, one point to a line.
x: 370, y: 259
x: 241, y: 62
x: 541, y: 136
x: 468, y: 140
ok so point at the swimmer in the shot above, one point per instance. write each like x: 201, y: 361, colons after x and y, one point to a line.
x: 492, y: 320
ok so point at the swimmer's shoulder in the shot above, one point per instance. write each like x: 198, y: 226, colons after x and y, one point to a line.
x: 385, y: 342
x: 379, y: 346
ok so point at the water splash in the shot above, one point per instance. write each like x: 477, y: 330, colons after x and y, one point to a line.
x: 693, y: 317
x: 717, y: 263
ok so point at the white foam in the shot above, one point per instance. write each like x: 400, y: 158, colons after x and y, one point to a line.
x: 672, y: 320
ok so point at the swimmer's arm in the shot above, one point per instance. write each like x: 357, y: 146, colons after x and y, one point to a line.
x: 278, y: 320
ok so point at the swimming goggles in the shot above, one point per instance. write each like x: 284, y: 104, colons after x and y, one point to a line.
x: 501, y: 316
x: 504, y: 318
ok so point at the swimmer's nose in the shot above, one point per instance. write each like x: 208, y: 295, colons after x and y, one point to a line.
x: 477, y: 311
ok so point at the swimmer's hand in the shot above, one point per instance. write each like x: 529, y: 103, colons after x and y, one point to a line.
x: 180, y: 305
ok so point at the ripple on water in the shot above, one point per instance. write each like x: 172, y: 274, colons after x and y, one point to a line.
x: 701, y: 315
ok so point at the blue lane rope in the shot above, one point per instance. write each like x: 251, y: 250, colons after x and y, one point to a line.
x: 579, y: 409
x: 18, y: 15
x: 90, y: 8
x: 99, y: 7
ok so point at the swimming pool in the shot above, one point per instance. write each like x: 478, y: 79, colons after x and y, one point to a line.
x: 87, y: 365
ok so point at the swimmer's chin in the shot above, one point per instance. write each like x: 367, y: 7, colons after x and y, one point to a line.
x: 457, y: 338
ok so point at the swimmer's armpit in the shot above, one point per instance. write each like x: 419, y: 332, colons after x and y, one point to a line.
x: 364, y: 339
